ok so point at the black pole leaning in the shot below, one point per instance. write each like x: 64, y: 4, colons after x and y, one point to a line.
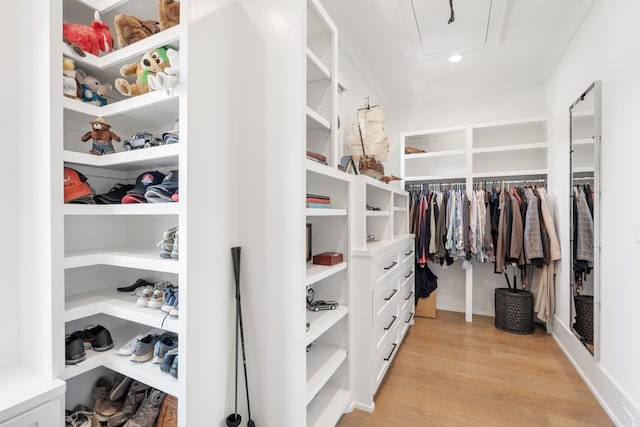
x: 235, y: 252
x: 234, y: 419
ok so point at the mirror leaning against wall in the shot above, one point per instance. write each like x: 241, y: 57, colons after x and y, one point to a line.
x: 584, y: 218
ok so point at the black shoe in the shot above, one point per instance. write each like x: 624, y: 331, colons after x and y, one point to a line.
x: 100, y: 338
x: 136, y: 285
x: 74, y: 349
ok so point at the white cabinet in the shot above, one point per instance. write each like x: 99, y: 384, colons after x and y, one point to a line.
x: 382, y: 282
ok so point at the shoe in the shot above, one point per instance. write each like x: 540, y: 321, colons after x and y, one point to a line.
x: 80, y: 417
x: 74, y: 349
x: 100, y: 338
x: 166, y: 244
x: 129, y: 347
x: 139, y: 283
x: 145, y: 296
x: 167, y: 360
x: 169, y: 298
x: 144, y: 348
x: 157, y: 299
x: 174, y: 309
x: 135, y: 395
x: 174, y: 251
x: 166, y: 343
x: 120, y: 386
x: 104, y: 407
x: 174, y: 367
x: 148, y: 411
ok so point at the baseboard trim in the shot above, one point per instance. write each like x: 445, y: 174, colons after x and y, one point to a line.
x: 366, y: 408
x: 613, y: 400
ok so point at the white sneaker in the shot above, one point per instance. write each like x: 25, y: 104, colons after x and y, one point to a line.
x: 157, y: 299
x: 145, y: 297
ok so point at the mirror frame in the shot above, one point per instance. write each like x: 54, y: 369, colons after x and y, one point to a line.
x: 595, y: 88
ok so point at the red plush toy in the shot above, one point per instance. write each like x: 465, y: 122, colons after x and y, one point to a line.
x: 91, y: 39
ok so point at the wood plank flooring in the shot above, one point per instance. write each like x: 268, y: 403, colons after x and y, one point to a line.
x: 452, y: 373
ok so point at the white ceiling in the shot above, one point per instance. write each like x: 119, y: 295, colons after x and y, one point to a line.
x: 402, y: 46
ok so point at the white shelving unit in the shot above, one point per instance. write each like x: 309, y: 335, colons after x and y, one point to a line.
x: 512, y: 149
x: 327, y: 337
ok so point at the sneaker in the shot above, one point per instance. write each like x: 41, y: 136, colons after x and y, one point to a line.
x: 157, y: 299
x: 174, y: 309
x: 145, y: 296
x: 166, y: 343
x: 174, y: 367
x: 135, y: 395
x: 140, y: 283
x: 169, y: 298
x: 167, y: 360
x: 104, y: 407
x: 148, y: 411
x: 100, y: 338
x: 144, y: 348
x: 120, y: 386
x: 74, y: 349
x: 128, y: 348
x: 174, y: 251
x: 166, y: 244
x: 80, y: 417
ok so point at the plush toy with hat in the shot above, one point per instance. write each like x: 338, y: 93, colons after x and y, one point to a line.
x: 130, y: 29
x: 153, y: 62
x: 91, y: 90
x: 168, y: 13
x: 92, y: 39
x: 102, y: 136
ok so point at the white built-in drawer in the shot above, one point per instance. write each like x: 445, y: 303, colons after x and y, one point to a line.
x: 383, y: 325
x: 406, y: 318
x: 384, y: 266
x: 406, y: 294
x: 384, y: 357
x: 406, y: 252
x: 386, y: 294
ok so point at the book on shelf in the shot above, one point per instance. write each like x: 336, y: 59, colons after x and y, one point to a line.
x: 318, y: 205
x: 315, y: 200
x: 317, y: 196
x: 316, y: 156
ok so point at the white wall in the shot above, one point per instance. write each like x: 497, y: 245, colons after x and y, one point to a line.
x: 605, y: 49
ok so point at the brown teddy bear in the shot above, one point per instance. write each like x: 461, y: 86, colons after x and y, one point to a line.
x: 130, y: 29
x: 152, y: 62
x: 102, y: 137
x: 168, y: 13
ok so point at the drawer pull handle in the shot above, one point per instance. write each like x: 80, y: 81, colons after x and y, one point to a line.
x: 409, y: 296
x: 409, y: 319
x: 393, y: 264
x: 386, y: 359
x: 392, y: 322
x: 391, y: 296
x: 409, y: 275
x: 408, y: 253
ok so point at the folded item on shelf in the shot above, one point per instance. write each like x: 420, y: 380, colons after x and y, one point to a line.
x: 314, y: 200
x: 144, y: 180
x: 318, y: 205
x: 413, y: 150
x: 76, y: 187
x: 316, y: 156
x: 161, y: 193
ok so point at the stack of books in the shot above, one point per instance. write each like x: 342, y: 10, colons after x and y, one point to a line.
x: 316, y: 157
x: 317, y: 201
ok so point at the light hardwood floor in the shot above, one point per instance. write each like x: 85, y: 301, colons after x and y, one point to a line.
x: 452, y: 373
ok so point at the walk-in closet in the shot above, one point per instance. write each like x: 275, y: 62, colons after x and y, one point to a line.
x: 444, y: 183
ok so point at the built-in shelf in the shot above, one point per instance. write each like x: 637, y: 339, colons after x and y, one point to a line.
x: 322, y: 362
x: 582, y: 169
x: 585, y: 141
x: 117, y: 304
x: 325, y: 212
x: 376, y: 213
x: 71, y: 209
x: 515, y: 147
x: 153, y: 103
x: 145, y: 259
x: 316, y: 70
x: 316, y: 272
x: 315, y: 121
x: 432, y: 178
x: 132, y: 52
x: 328, y: 406
x: 146, y: 372
x: 399, y: 209
x: 512, y: 173
x: 152, y: 157
x: 435, y: 154
x: 321, y: 321
x: 319, y: 168
x: 103, y: 5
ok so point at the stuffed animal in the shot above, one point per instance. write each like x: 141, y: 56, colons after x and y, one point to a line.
x: 70, y: 86
x: 168, y: 13
x: 102, y: 136
x: 166, y: 80
x: 152, y: 62
x: 91, y: 90
x: 91, y: 39
x: 130, y: 29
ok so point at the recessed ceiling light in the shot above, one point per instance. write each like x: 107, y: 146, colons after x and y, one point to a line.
x: 455, y: 58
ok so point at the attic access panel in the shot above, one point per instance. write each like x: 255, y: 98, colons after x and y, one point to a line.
x: 478, y: 24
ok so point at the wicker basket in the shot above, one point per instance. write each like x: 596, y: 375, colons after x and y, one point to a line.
x: 584, y: 317
x: 514, y: 311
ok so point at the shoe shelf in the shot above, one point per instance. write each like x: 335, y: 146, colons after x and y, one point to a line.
x: 122, y: 209
x: 117, y: 304
x: 145, y: 259
x: 328, y: 406
x: 146, y: 372
x: 321, y: 321
x: 146, y: 158
x: 131, y: 53
x: 322, y: 362
x: 315, y: 272
x: 103, y: 5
